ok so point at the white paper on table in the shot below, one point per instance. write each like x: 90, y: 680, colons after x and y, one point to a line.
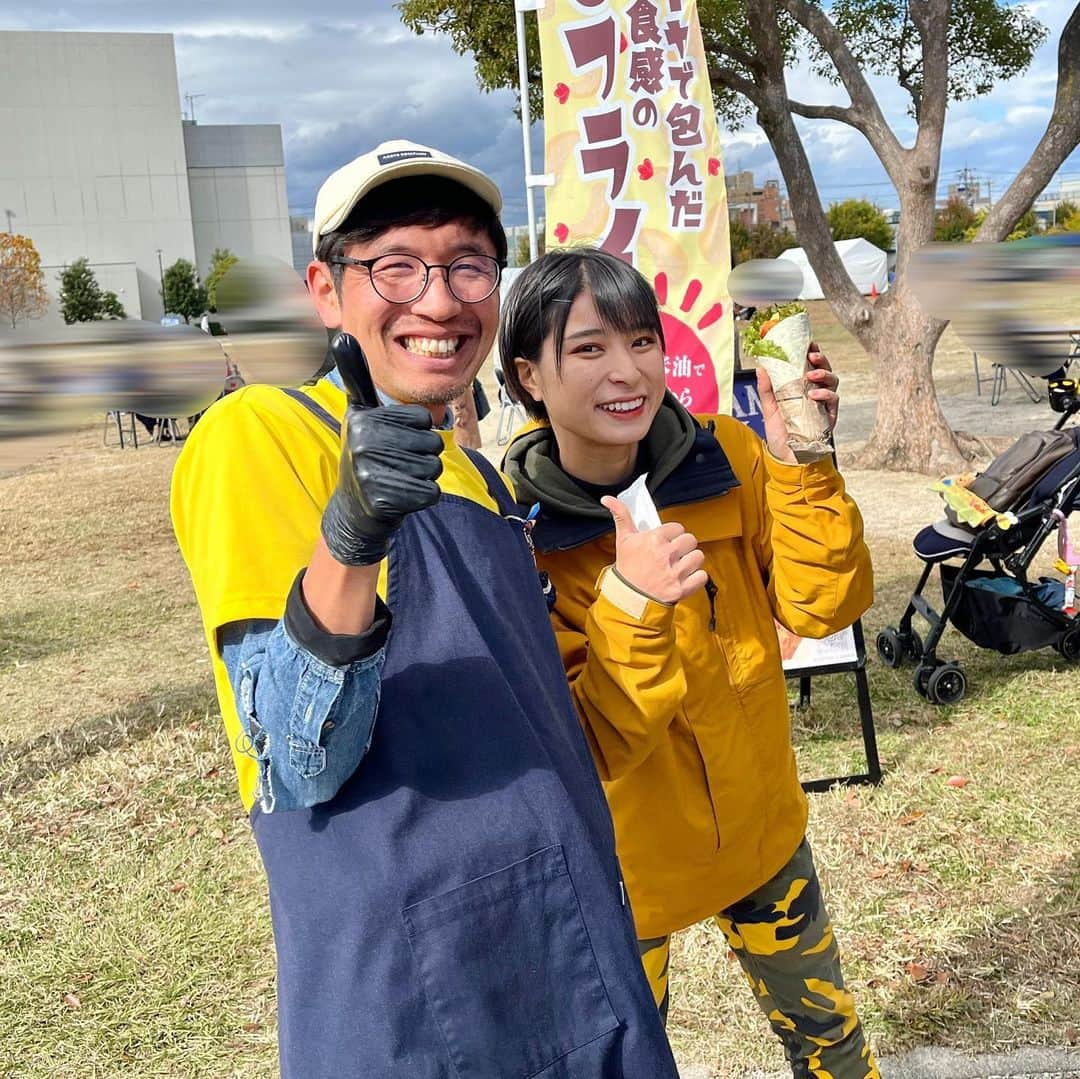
x: 638, y: 501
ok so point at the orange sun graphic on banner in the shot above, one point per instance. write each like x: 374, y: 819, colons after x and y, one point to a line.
x: 691, y: 374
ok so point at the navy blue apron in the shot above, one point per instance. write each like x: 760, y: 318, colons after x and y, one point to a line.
x: 456, y: 911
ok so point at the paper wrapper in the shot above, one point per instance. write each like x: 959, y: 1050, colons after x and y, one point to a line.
x: 638, y: 501
x: 807, y: 420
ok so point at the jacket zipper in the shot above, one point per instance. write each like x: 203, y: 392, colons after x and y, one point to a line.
x: 710, y: 591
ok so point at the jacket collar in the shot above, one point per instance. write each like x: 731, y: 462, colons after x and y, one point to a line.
x: 703, y: 473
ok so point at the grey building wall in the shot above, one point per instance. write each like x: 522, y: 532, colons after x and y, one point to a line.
x: 300, y: 234
x: 93, y: 160
x: 236, y: 176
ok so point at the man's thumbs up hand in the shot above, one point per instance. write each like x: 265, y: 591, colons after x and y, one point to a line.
x: 664, y: 563
x: 389, y: 465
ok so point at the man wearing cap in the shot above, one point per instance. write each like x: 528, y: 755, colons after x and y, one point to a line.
x: 443, y: 884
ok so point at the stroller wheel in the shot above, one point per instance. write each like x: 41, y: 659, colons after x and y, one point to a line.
x: 947, y: 685
x: 889, y: 647
x: 1068, y: 644
x: 921, y: 681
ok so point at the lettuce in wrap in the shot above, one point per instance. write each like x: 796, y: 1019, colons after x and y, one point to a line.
x: 779, y: 337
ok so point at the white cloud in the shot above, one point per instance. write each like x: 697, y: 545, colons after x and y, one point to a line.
x: 340, y: 81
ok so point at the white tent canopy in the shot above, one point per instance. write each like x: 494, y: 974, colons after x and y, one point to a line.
x: 867, y: 265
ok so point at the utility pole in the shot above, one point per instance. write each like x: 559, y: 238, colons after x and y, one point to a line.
x: 161, y: 278
x: 10, y: 215
x: 967, y: 186
x: 191, y: 99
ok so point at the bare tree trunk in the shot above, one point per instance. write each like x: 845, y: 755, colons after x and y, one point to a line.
x: 910, y: 431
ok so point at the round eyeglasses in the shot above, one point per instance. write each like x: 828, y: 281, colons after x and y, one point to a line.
x: 403, y: 278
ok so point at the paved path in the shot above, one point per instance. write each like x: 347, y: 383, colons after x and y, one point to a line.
x: 1032, y: 1063
x: 1014, y: 414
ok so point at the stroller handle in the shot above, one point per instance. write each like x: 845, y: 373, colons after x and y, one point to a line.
x: 1019, y: 561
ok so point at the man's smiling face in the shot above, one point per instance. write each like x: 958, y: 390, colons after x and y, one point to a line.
x: 427, y: 351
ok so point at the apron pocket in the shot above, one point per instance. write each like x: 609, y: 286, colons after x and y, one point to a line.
x: 508, y: 969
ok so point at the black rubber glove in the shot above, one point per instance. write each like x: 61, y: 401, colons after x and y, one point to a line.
x: 389, y: 464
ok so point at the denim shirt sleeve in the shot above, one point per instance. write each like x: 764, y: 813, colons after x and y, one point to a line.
x: 306, y: 722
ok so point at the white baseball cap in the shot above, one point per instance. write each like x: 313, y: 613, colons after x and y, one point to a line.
x: 343, y: 189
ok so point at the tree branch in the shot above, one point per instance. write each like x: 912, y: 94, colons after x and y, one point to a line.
x: 826, y: 112
x: 865, y: 114
x: 931, y: 19
x: 730, y: 79
x: 1061, y: 137
x: 776, y: 120
x: 739, y: 56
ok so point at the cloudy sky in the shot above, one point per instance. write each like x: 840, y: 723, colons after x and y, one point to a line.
x: 347, y: 78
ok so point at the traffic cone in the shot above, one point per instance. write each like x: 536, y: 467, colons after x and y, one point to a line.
x: 873, y: 290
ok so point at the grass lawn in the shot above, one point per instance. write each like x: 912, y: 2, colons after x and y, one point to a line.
x: 134, y: 928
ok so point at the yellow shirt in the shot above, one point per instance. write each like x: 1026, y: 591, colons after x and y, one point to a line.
x: 248, y: 494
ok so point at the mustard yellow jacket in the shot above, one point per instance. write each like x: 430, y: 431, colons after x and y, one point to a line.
x: 685, y: 707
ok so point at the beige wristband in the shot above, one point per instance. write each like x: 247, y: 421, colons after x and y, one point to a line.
x: 630, y: 600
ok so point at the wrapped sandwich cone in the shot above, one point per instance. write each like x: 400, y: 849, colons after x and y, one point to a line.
x: 807, y: 420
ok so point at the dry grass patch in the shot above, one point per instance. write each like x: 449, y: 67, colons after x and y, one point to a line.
x: 134, y: 929
x: 956, y: 907
x: 134, y: 934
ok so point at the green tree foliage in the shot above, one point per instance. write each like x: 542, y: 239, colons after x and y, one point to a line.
x: 954, y: 221
x: 760, y: 242
x: 22, y: 280
x: 183, y: 294
x: 855, y: 218
x: 221, y: 261
x: 111, y: 307
x: 521, y: 248
x: 987, y: 42
x: 81, y: 297
x: 1066, y: 217
x: 973, y: 231
x: 1027, y: 226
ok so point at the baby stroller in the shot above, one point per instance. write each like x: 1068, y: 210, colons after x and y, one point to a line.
x: 1033, y: 487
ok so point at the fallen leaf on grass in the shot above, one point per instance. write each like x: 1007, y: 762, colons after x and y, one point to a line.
x: 957, y: 781
x: 1072, y: 1035
x: 177, y: 886
x: 917, y: 972
x: 852, y: 796
x: 250, y: 1028
x: 72, y: 1001
x: 905, y: 865
x: 911, y: 818
x: 878, y: 873
x: 942, y: 978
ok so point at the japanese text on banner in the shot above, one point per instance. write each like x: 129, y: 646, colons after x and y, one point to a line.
x: 632, y: 142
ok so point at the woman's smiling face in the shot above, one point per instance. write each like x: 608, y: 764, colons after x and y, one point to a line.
x: 607, y: 389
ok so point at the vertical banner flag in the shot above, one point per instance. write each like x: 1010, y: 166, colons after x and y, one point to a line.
x: 632, y: 143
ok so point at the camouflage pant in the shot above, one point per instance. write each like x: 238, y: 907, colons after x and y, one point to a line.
x: 782, y: 936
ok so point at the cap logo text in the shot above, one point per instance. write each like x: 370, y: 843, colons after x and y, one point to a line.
x: 402, y: 155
